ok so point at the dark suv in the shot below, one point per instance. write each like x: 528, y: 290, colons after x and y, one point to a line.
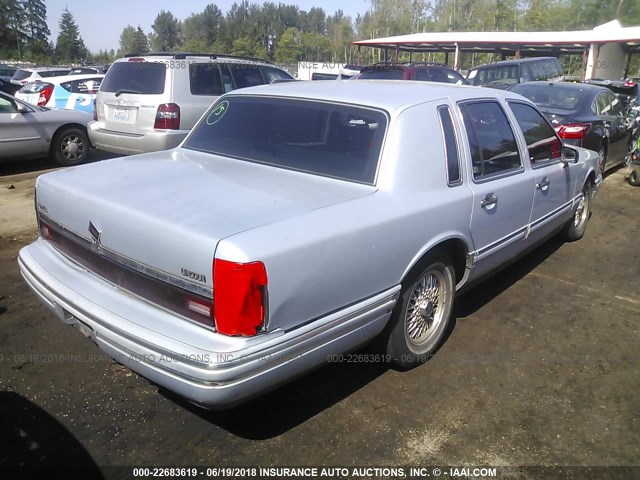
x: 507, y: 73
x: 427, y: 72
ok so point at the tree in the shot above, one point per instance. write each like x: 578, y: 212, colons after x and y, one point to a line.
x: 35, y: 21
x: 289, y: 48
x: 69, y: 45
x: 166, y: 32
x: 133, y: 40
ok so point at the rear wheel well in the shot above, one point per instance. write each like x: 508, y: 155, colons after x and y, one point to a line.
x: 456, y: 249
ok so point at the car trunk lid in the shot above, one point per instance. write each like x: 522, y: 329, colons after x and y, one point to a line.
x: 166, y: 211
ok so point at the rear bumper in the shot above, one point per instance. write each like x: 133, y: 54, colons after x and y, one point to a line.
x: 229, y: 370
x: 130, y: 144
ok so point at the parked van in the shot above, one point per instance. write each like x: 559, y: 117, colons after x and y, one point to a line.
x: 150, y: 102
x: 503, y: 75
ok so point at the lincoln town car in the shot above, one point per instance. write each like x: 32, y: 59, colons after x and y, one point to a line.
x: 299, y: 221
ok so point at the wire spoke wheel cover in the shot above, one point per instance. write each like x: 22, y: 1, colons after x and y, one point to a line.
x: 425, y: 310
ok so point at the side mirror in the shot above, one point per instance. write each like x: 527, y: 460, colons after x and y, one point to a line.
x: 570, y: 155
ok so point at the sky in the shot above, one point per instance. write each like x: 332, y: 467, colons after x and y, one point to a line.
x: 101, y: 23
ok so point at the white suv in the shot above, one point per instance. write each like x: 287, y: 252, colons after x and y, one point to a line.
x: 150, y: 102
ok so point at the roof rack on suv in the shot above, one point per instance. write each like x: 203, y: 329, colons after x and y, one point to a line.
x: 183, y: 55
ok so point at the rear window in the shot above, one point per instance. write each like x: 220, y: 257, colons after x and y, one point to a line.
x: 21, y: 74
x: 381, y: 74
x: 556, y: 96
x: 34, y: 87
x: 339, y: 141
x: 494, y: 75
x: 135, y: 77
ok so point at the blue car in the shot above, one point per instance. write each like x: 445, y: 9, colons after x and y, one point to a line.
x: 71, y: 92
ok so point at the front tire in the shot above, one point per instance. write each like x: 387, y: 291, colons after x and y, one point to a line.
x: 634, y: 177
x: 577, y: 224
x: 70, y: 146
x: 421, y: 318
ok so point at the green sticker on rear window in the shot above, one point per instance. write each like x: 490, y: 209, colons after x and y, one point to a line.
x: 217, y: 113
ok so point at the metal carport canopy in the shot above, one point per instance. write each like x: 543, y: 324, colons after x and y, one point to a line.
x: 562, y: 42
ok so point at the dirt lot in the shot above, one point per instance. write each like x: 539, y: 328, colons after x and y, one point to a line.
x: 542, y: 368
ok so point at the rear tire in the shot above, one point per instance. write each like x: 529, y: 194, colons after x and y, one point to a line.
x: 577, y: 224
x: 634, y: 177
x: 602, y: 158
x: 422, y: 315
x: 70, y: 146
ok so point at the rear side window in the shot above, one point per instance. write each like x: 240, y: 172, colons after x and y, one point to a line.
x: 382, y: 74
x: 135, y: 77
x: 542, y: 142
x: 87, y: 86
x: 495, y: 75
x: 21, y: 74
x: 491, y: 140
x: 246, y: 75
x: 451, y: 146
x: 204, y: 79
x: 339, y: 141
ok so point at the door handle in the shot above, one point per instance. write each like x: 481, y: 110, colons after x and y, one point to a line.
x: 489, y: 201
x: 543, y: 184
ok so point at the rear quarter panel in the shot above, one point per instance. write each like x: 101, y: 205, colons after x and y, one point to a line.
x: 335, y: 256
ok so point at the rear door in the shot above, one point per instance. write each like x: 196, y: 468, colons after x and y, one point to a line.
x: 502, y: 188
x: 130, y: 94
x: 77, y: 94
x: 554, y: 180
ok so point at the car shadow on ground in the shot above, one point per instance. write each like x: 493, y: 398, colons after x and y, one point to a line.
x: 17, y: 167
x: 30, y: 437
x: 290, y: 405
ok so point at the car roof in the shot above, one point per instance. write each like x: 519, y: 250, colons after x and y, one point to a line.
x: 197, y: 58
x: 67, y: 78
x: 515, y: 61
x: 389, y: 95
x: 44, y: 69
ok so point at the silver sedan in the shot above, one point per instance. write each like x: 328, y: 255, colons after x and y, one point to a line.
x: 29, y: 131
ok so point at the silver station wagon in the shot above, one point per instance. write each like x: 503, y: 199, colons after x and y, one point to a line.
x: 298, y: 221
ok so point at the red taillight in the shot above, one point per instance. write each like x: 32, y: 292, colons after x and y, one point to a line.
x: 95, y: 111
x: 136, y: 59
x: 573, y: 130
x: 45, y: 95
x: 239, y: 297
x: 629, y: 83
x: 168, y: 117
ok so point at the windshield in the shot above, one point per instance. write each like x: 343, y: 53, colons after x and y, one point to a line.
x: 340, y: 141
x: 556, y: 96
x: 139, y: 77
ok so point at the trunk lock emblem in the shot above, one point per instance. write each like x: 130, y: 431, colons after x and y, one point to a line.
x: 95, y: 233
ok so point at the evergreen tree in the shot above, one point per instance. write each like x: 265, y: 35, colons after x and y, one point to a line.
x: 69, y: 46
x: 35, y: 25
x: 166, y: 32
x: 133, y: 40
